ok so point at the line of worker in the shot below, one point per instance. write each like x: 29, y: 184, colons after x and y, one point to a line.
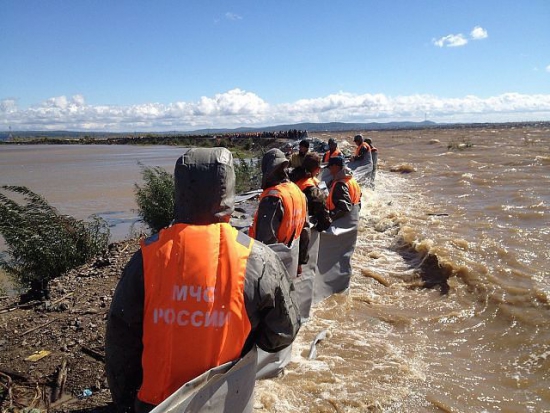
x: 234, y: 293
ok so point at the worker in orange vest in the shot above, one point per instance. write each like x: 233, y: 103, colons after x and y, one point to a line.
x: 305, y: 178
x: 332, y: 150
x: 197, y: 296
x: 374, y: 153
x: 345, y: 192
x: 282, y: 212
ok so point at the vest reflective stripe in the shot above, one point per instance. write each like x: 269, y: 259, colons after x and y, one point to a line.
x: 194, y: 311
x: 328, y: 155
x: 307, y: 182
x: 363, y: 145
x: 294, y: 211
x: 353, y: 188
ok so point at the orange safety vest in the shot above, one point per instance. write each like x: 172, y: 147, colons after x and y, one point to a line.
x: 294, y: 211
x: 353, y: 188
x: 373, y: 148
x: 363, y: 145
x: 329, y: 155
x: 194, y: 315
x: 307, y: 182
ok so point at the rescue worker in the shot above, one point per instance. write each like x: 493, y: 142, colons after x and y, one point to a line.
x: 361, y: 161
x: 337, y: 243
x: 332, y: 150
x: 297, y: 158
x: 362, y: 151
x: 282, y: 211
x: 374, y: 153
x: 197, y: 296
x: 345, y: 192
x: 281, y: 222
x: 305, y: 178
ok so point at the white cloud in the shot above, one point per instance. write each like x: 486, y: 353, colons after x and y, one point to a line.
x: 237, y: 108
x: 478, y: 33
x: 232, y: 16
x: 548, y: 68
x: 451, y: 40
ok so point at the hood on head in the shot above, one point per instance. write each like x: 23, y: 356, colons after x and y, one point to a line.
x: 204, y: 181
x: 273, y: 163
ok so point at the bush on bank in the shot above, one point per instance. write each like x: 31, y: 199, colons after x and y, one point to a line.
x: 41, y: 243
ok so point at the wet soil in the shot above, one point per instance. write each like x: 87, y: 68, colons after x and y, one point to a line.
x: 52, y: 352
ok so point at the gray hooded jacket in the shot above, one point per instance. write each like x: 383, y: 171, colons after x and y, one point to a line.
x: 204, y: 181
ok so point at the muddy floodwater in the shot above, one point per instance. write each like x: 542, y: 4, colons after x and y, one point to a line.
x: 464, y: 211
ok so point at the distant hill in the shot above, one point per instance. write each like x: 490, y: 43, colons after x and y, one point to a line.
x: 323, y: 127
x: 307, y: 126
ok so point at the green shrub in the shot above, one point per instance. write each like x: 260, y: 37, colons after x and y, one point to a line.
x: 248, y: 174
x: 41, y: 243
x: 155, y: 198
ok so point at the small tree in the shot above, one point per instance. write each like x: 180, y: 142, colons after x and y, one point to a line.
x: 155, y: 199
x: 247, y: 174
x: 41, y: 243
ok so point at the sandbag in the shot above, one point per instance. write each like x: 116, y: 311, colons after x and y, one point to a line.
x: 336, y: 248
x: 227, y: 388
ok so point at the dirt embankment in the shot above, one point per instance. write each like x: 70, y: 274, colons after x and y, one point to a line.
x: 52, y: 353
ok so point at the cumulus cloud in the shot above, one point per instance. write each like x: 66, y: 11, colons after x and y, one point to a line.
x: 478, y: 33
x: 457, y: 40
x: 451, y: 40
x: 232, y: 16
x: 237, y: 108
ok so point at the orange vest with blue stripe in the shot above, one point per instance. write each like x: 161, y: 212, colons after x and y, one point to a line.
x: 353, y: 188
x: 294, y: 211
x: 194, y: 315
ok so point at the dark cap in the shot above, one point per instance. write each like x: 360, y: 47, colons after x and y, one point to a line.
x: 336, y: 160
x: 358, y: 138
x: 304, y: 143
x: 332, y: 141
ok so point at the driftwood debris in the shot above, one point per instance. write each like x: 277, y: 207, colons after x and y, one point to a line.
x: 37, y: 327
x: 60, y: 381
x: 94, y: 354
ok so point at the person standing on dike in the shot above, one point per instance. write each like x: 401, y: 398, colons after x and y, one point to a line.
x: 345, y: 192
x: 195, y: 298
x: 332, y: 150
x: 282, y: 212
x: 305, y: 178
x: 374, y: 153
x: 297, y: 158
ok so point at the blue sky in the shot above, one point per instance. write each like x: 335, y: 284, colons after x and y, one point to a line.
x: 183, y: 65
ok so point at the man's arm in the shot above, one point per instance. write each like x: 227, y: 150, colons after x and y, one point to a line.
x: 342, y: 201
x: 270, y: 300
x: 270, y: 215
x: 123, y: 340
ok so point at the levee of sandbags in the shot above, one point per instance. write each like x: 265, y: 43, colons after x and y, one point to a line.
x: 226, y: 388
x: 336, y: 248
